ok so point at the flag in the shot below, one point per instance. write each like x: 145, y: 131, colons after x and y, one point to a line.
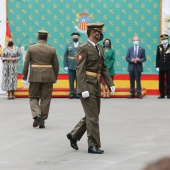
x: 2, y: 34
x: 165, y: 20
x: 8, y: 33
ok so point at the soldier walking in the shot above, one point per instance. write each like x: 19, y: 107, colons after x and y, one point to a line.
x: 44, y: 67
x: 89, y: 67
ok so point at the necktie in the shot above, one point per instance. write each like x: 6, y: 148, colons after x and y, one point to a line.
x: 97, y: 48
x: 136, y: 52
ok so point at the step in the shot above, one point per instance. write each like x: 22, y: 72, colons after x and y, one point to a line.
x: 64, y: 93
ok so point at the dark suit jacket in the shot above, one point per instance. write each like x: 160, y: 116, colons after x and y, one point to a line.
x: 163, y: 57
x: 141, y: 56
x: 41, y: 54
x: 88, y: 59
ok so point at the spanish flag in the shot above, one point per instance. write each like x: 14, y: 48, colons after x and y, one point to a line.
x: 8, y: 33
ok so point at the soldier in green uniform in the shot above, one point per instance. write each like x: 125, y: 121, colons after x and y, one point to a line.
x: 69, y: 62
x: 89, y: 67
x: 44, y: 67
x: 163, y: 66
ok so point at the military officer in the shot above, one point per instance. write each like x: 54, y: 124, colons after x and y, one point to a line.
x: 44, y: 67
x: 163, y: 66
x: 89, y: 67
x: 69, y: 62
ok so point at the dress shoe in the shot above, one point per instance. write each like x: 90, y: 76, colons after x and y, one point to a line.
x: 73, y: 142
x: 95, y: 149
x: 71, y: 97
x: 161, y: 97
x: 131, y: 96
x: 76, y: 96
x: 41, y: 126
x: 37, y: 121
x: 139, y: 96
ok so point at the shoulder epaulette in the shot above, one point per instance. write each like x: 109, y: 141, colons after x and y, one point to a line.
x: 83, y: 44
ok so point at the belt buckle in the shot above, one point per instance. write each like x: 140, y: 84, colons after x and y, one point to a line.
x: 98, y: 76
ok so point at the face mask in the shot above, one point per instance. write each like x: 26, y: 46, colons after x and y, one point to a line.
x: 75, y: 40
x: 101, y: 37
x: 10, y: 43
x: 106, y: 45
x: 136, y: 42
x: 97, y: 36
x: 165, y: 41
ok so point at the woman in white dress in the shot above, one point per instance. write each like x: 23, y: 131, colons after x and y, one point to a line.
x: 10, y: 58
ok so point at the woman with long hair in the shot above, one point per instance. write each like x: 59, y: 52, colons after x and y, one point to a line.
x: 10, y: 58
x: 109, y: 56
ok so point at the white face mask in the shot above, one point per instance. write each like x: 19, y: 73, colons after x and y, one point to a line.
x: 136, y: 42
x: 165, y: 41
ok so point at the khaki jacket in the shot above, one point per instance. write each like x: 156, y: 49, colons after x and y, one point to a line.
x: 41, y: 54
x: 88, y: 59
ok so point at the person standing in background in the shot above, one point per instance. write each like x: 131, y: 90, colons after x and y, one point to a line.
x: 44, y: 67
x: 69, y: 63
x: 10, y: 58
x: 109, y: 56
x: 135, y: 57
x: 163, y: 66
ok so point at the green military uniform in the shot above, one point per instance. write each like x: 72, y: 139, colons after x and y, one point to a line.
x: 44, y: 68
x: 89, y: 67
x: 69, y: 61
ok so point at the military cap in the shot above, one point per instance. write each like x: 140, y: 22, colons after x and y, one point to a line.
x: 75, y: 33
x: 43, y: 32
x: 164, y: 36
x: 96, y: 26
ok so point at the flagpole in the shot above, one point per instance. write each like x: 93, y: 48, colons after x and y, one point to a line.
x: 7, y: 10
x: 161, y: 6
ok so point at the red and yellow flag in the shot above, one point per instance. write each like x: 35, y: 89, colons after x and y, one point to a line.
x: 8, y: 33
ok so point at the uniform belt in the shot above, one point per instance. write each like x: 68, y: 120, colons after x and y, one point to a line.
x: 71, y: 57
x: 40, y: 66
x: 89, y: 73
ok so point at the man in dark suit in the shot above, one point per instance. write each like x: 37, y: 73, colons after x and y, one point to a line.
x: 163, y: 66
x: 89, y: 67
x: 44, y: 67
x: 135, y: 56
x: 69, y: 62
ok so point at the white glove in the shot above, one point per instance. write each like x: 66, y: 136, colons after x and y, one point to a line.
x: 85, y: 94
x: 66, y: 68
x: 112, y: 88
x: 157, y: 69
x: 25, y: 81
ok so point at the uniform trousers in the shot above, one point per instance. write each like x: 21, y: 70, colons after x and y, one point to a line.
x: 40, y: 94
x: 72, y: 78
x: 90, y: 122
x: 162, y: 81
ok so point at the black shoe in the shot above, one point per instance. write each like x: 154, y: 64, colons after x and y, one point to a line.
x: 41, y: 126
x: 95, y: 149
x: 131, y: 96
x: 161, y: 97
x: 76, y: 96
x: 168, y: 97
x: 139, y: 96
x: 37, y: 121
x: 71, y: 97
x: 73, y: 142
